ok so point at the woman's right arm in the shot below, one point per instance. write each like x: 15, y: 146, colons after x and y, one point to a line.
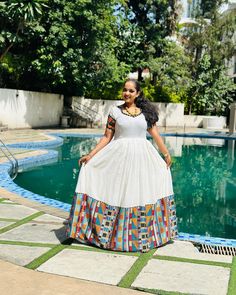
x: 107, y: 137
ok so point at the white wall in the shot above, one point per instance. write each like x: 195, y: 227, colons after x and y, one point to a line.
x: 26, y: 109
x: 197, y: 120
x: 170, y: 114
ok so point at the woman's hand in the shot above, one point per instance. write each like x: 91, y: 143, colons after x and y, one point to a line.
x: 84, y: 159
x: 168, y: 160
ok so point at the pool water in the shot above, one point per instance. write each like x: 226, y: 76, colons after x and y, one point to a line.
x: 203, y: 172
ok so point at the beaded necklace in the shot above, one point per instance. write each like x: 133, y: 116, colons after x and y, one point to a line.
x: 136, y: 112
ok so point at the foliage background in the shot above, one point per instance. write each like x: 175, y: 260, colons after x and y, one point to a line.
x: 87, y: 47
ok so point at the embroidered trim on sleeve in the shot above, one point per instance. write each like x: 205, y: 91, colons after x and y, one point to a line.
x: 111, y: 122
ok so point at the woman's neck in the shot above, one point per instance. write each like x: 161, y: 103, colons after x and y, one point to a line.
x: 131, y: 105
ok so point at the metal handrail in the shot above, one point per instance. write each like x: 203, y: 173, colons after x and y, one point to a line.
x: 14, y: 162
x: 87, y: 111
x: 88, y: 116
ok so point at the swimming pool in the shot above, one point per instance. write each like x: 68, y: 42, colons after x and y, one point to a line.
x: 203, y: 172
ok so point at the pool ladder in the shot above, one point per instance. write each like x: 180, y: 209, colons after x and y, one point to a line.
x: 13, y: 161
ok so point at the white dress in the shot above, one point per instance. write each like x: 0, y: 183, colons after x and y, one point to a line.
x: 124, y: 197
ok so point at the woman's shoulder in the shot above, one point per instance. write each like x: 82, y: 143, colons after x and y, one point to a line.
x: 117, y: 107
x: 115, y: 110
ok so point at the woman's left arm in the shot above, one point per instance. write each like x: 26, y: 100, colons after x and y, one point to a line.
x: 160, y: 143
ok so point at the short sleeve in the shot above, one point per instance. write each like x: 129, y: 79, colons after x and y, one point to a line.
x: 111, y: 121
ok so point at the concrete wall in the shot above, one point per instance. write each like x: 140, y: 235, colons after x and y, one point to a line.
x: 170, y: 114
x: 197, y: 120
x: 26, y: 109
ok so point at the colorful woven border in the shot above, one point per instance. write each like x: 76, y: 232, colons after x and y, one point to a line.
x: 131, y: 229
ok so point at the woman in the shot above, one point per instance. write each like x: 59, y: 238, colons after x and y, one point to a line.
x: 124, y: 199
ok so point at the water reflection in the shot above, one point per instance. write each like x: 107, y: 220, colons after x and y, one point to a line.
x: 204, y: 179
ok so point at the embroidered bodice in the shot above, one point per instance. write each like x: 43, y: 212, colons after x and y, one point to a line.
x: 126, y: 126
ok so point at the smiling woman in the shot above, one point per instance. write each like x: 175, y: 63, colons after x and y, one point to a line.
x: 124, y: 197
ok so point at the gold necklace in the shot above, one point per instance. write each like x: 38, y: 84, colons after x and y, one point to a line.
x: 136, y: 112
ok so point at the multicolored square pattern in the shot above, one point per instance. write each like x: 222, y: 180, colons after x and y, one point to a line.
x: 134, y: 229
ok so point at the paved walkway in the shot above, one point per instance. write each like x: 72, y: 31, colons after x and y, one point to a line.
x: 36, y: 240
x: 36, y: 258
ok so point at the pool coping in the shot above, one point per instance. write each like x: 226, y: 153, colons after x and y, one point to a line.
x: 51, y: 156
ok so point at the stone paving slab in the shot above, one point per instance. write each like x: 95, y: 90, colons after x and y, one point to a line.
x: 20, y: 255
x: 16, y: 212
x: 184, y: 249
x: 34, y: 232
x: 184, y: 277
x: 5, y: 223
x: 87, y: 265
x: 17, y: 280
x: 49, y: 218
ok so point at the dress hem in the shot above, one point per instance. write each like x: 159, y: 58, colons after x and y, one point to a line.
x: 133, y: 229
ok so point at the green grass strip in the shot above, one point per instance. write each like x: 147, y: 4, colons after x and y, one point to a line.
x: 1, y: 200
x: 158, y: 292
x: 195, y: 261
x: 20, y: 222
x: 45, y: 257
x: 106, y: 251
x: 30, y: 244
x: 232, y: 280
x: 9, y: 219
x: 136, y: 268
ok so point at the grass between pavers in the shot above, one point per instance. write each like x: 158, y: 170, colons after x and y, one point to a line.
x: 158, y: 292
x: 194, y: 261
x: 70, y: 247
x: 21, y: 222
x: 9, y: 219
x: 232, y: 280
x: 46, y: 256
x: 135, y: 269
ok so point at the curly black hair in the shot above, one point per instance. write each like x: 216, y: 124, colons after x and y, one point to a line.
x: 148, y: 109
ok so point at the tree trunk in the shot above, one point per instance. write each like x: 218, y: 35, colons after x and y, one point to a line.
x: 154, y: 79
x: 140, y: 70
x: 5, y: 51
x: 10, y: 46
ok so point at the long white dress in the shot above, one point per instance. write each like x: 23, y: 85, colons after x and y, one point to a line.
x: 124, y: 197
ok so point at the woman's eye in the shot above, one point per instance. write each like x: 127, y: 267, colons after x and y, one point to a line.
x: 131, y: 91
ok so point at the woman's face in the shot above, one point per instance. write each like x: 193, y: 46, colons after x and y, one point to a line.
x: 129, y: 92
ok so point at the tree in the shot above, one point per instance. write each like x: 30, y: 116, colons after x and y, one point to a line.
x: 18, y: 14
x: 149, y: 22
x: 209, y: 43
x: 172, y: 68
x: 70, y: 50
x: 211, y: 93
